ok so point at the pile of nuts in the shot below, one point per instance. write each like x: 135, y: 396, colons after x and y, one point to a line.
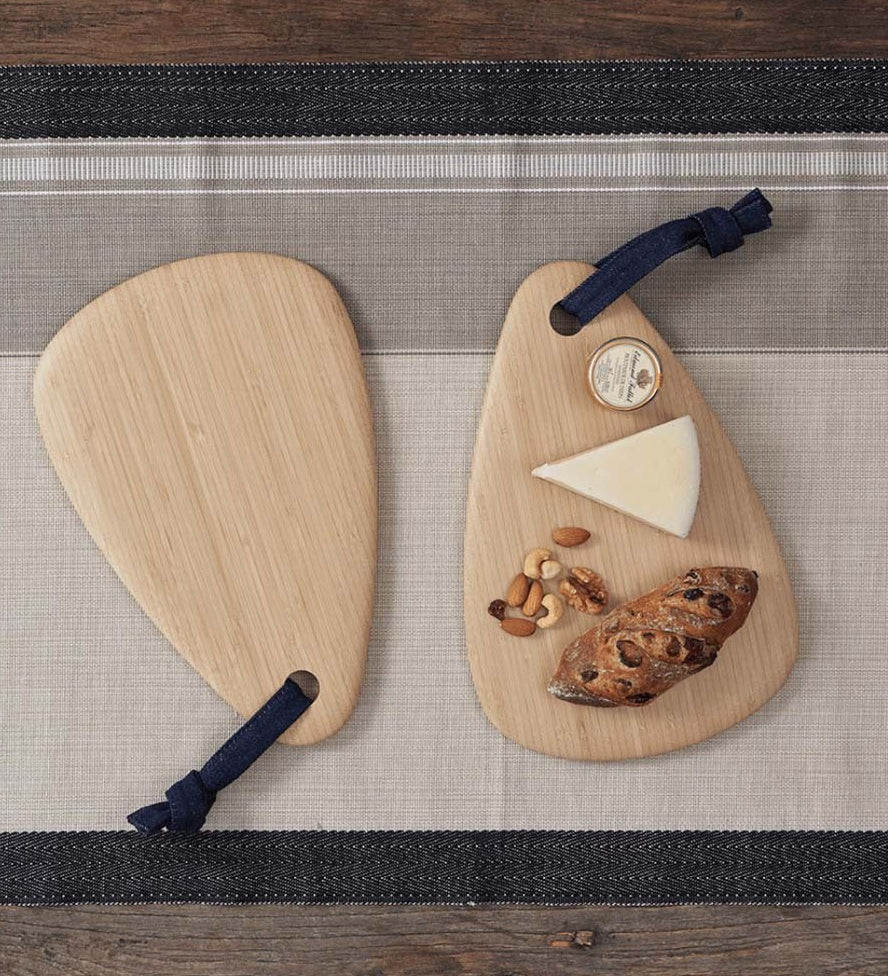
x: 581, y: 588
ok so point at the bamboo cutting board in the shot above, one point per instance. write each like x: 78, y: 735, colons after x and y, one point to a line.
x: 537, y: 409
x: 210, y: 423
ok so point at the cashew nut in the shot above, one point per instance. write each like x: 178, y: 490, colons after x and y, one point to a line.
x: 555, y: 608
x: 533, y: 562
x: 550, y: 569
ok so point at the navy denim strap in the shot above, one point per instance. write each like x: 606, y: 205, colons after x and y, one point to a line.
x: 189, y: 800
x: 716, y: 229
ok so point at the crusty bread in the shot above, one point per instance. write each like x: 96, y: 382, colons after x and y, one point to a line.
x: 643, y: 648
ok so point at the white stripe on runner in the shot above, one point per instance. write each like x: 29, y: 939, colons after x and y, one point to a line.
x: 655, y: 164
x: 321, y: 191
x: 175, y: 142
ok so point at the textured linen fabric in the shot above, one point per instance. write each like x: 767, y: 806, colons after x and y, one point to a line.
x: 426, y: 241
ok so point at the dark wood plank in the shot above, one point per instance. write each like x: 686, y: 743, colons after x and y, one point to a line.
x: 372, y: 941
x: 53, y: 31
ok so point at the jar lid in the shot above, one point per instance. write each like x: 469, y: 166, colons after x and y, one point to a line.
x: 624, y: 373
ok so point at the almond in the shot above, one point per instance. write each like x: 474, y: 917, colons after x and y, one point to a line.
x: 534, y: 599
x: 518, y: 627
x: 518, y: 590
x: 569, y: 536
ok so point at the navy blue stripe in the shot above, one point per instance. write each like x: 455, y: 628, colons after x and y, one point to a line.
x: 481, y: 98
x: 516, y: 866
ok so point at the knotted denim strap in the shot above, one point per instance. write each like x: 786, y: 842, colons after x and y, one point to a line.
x: 716, y: 229
x: 189, y: 800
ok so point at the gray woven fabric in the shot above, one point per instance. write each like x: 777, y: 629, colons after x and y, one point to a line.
x: 430, y: 261
x: 427, y: 240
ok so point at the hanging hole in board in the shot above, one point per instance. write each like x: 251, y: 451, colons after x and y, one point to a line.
x: 563, y: 322
x: 307, y: 682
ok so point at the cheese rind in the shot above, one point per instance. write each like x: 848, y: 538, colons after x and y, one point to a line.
x: 652, y: 476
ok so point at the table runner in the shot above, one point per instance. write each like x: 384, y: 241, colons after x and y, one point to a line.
x: 418, y: 798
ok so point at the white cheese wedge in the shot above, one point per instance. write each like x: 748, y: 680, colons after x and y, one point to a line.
x: 653, y: 476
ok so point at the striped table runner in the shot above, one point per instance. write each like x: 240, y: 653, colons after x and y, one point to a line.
x: 426, y: 193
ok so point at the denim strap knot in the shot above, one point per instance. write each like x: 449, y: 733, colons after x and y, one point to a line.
x: 188, y: 800
x: 717, y: 229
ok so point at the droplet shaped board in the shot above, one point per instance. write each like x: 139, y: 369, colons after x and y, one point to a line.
x: 538, y: 409
x: 210, y: 423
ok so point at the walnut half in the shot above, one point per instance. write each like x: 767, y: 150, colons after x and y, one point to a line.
x: 584, y: 590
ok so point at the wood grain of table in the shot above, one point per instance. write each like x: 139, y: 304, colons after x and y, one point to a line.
x: 51, y: 31
x: 158, y: 940
x: 202, y: 940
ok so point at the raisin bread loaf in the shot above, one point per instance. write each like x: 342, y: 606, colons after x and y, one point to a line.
x: 643, y: 648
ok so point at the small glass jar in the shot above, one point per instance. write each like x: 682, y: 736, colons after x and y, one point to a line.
x: 624, y: 373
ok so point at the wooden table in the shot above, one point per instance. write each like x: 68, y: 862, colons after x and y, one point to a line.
x: 159, y: 940
x: 92, y: 31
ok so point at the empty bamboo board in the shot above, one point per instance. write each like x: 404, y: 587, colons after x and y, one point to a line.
x: 537, y: 408
x: 210, y: 423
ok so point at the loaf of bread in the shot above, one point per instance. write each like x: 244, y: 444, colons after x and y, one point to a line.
x: 643, y: 648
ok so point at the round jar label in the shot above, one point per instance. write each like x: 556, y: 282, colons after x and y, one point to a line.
x: 624, y: 373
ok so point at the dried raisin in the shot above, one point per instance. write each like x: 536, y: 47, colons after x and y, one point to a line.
x: 629, y: 653
x: 721, y: 603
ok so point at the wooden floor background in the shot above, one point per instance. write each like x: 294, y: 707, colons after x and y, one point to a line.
x: 161, y: 940
x: 380, y: 30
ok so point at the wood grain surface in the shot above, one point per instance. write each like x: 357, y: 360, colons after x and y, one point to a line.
x: 210, y: 422
x: 61, y: 31
x: 434, y: 941
x: 269, y: 940
x: 537, y: 408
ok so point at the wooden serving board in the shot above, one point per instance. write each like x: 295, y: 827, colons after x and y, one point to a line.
x: 536, y: 409
x: 210, y: 423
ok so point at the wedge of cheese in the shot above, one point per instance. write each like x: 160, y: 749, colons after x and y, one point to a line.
x: 653, y: 476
